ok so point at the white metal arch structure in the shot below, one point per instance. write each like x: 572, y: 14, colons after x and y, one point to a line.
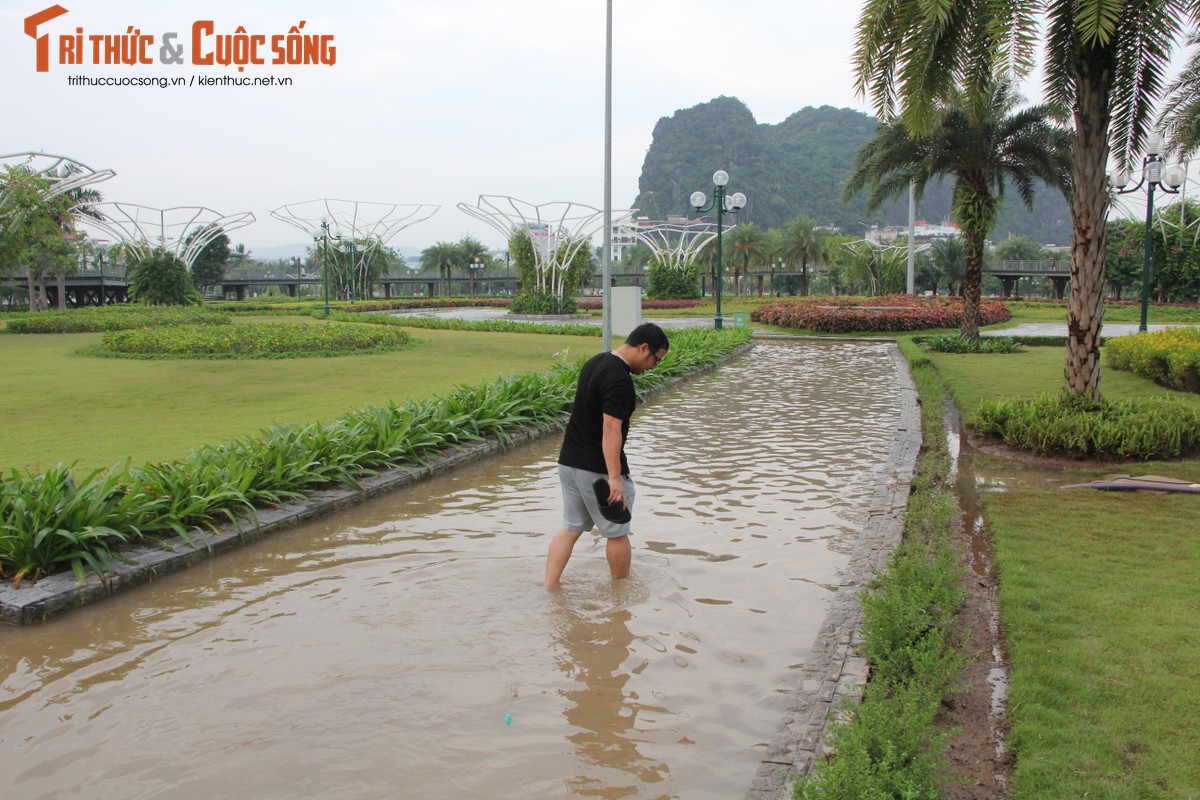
x: 182, y: 231
x: 46, y: 166
x: 558, y: 230
x: 365, y: 223
x: 674, y: 244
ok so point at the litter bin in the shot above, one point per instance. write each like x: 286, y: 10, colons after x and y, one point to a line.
x: 740, y: 319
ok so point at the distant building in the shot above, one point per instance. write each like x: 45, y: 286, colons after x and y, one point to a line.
x: 923, y: 232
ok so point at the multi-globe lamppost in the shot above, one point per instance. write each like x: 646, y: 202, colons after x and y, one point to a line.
x: 325, y: 261
x: 731, y: 205
x: 1156, y: 174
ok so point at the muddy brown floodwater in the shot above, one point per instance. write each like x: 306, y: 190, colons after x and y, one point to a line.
x: 405, y: 648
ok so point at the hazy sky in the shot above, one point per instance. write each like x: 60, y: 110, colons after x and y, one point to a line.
x: 428, y: 102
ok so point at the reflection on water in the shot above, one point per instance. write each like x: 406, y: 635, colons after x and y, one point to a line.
x: 377, y: 652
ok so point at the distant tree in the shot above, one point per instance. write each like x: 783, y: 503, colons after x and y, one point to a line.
x: 31, y: 231
x: 1019, y: 248
x: 441, y: 258
x: 160, y: 278
x: 745, y: 246
x: 982, y: 150
x: 80, y: 202
x: 947, y: 262
x: 803, y: 243
x: 208, y: 268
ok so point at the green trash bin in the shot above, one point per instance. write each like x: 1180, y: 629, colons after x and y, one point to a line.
x: 740, y: 319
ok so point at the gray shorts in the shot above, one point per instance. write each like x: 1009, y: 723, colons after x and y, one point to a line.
x: 580, y: 511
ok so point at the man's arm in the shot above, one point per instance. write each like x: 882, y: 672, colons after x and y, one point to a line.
x: 610, y: 444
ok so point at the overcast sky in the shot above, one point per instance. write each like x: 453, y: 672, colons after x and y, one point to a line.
x: 428, y: 102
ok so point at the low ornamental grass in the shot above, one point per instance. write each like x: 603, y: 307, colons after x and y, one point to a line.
x: 114, y: 318
x: 251, y: 340
x: 954, y: 343
x: 50, y: 521
x: 281, y: 305
x: 444, y: 324
x: 860, y: 314
x: 1170, y: 358
x: 1077, y: 427
x: 888, y: 746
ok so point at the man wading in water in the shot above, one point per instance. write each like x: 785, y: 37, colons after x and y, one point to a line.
x: 593, y: 449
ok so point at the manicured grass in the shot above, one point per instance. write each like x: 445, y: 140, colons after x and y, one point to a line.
x: 1100, y: 605
x: 1035, y: 371
x: 62, y: 406
x: 1099, y: 598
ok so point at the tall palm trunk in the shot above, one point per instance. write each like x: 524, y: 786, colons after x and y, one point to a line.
x: 973, y: 241
x: 1089, y: 207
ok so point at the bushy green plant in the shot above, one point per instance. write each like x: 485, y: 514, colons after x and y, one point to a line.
x: 1170, y: 358
x: 50, y: 519
x: 668, y: 282
x: 251, y: 340
x: 448, y: 324
x: 115, y: 318
x: 542, y: 303
x: 954, y: 343
x: 1081, y: 428
x: 160, y: 278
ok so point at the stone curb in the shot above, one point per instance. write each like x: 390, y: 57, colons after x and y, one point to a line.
x: 835, y: 671
x: 61, y: 592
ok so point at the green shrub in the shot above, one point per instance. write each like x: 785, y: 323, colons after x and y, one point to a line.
x: 542, y: 303
x: 1170, y: 358
x: 954, y: 343
x: 1080, y: 428
x: 252, y: 340
x: 114, y: 318
x: 668, y: 282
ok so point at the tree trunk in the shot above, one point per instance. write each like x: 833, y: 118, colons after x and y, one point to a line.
x: 972, y: 279
x: 1089, y: 206
x: 62, y: 290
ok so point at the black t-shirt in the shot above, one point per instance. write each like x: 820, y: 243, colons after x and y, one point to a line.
x: 605, y: 387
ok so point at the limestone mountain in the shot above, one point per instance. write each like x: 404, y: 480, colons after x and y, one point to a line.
x: 797, y: 167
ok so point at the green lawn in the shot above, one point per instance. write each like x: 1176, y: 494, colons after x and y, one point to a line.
x: 1100, y: 605
x: 94, y: 412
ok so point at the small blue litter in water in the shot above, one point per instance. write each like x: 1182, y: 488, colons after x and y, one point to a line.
x: 508, y: 719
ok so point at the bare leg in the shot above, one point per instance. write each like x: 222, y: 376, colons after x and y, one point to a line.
x: 619, y: 555
x: 560, y: 553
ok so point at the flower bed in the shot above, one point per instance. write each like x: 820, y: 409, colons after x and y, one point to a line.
x: 891, y: 313
x: 1170, y: 358
x: 596, y: 305
x: 252, y: 340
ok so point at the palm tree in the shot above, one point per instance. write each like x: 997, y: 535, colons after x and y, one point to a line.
x: 442, y: 258
x: 946, y: 258
x: 1104, y: 63
x: 80, y: 201
x: 804, y: 243
x: 983, y: 154
x: 1181, y: 116
x: 748, y: 247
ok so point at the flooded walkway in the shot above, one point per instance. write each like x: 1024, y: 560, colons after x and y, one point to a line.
x: 404, y: 648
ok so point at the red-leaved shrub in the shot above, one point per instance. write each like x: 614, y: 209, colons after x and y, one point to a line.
x: 899, y: 312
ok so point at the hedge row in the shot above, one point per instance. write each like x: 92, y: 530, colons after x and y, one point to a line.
x: 891, y: 313
x: 114, y: 318
x: 1170, y: 358
x: 251, y: 340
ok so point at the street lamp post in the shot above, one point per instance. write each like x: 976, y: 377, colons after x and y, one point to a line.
x: 1156, y: 174
x: 731, y: 205
x: 325, y: 262
x: 473, y: 268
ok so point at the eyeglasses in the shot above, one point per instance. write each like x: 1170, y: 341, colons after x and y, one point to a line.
x: 657, y: 358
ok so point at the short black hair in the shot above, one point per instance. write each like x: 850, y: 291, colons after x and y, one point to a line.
x: 651, y: 334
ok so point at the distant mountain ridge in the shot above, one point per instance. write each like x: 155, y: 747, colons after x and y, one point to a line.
x: 798, y: 167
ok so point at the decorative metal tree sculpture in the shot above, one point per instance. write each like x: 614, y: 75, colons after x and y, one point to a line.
x: 182, y: 231
x: 367, y: 226
x: 558, y: 231
x: 674, y: 244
